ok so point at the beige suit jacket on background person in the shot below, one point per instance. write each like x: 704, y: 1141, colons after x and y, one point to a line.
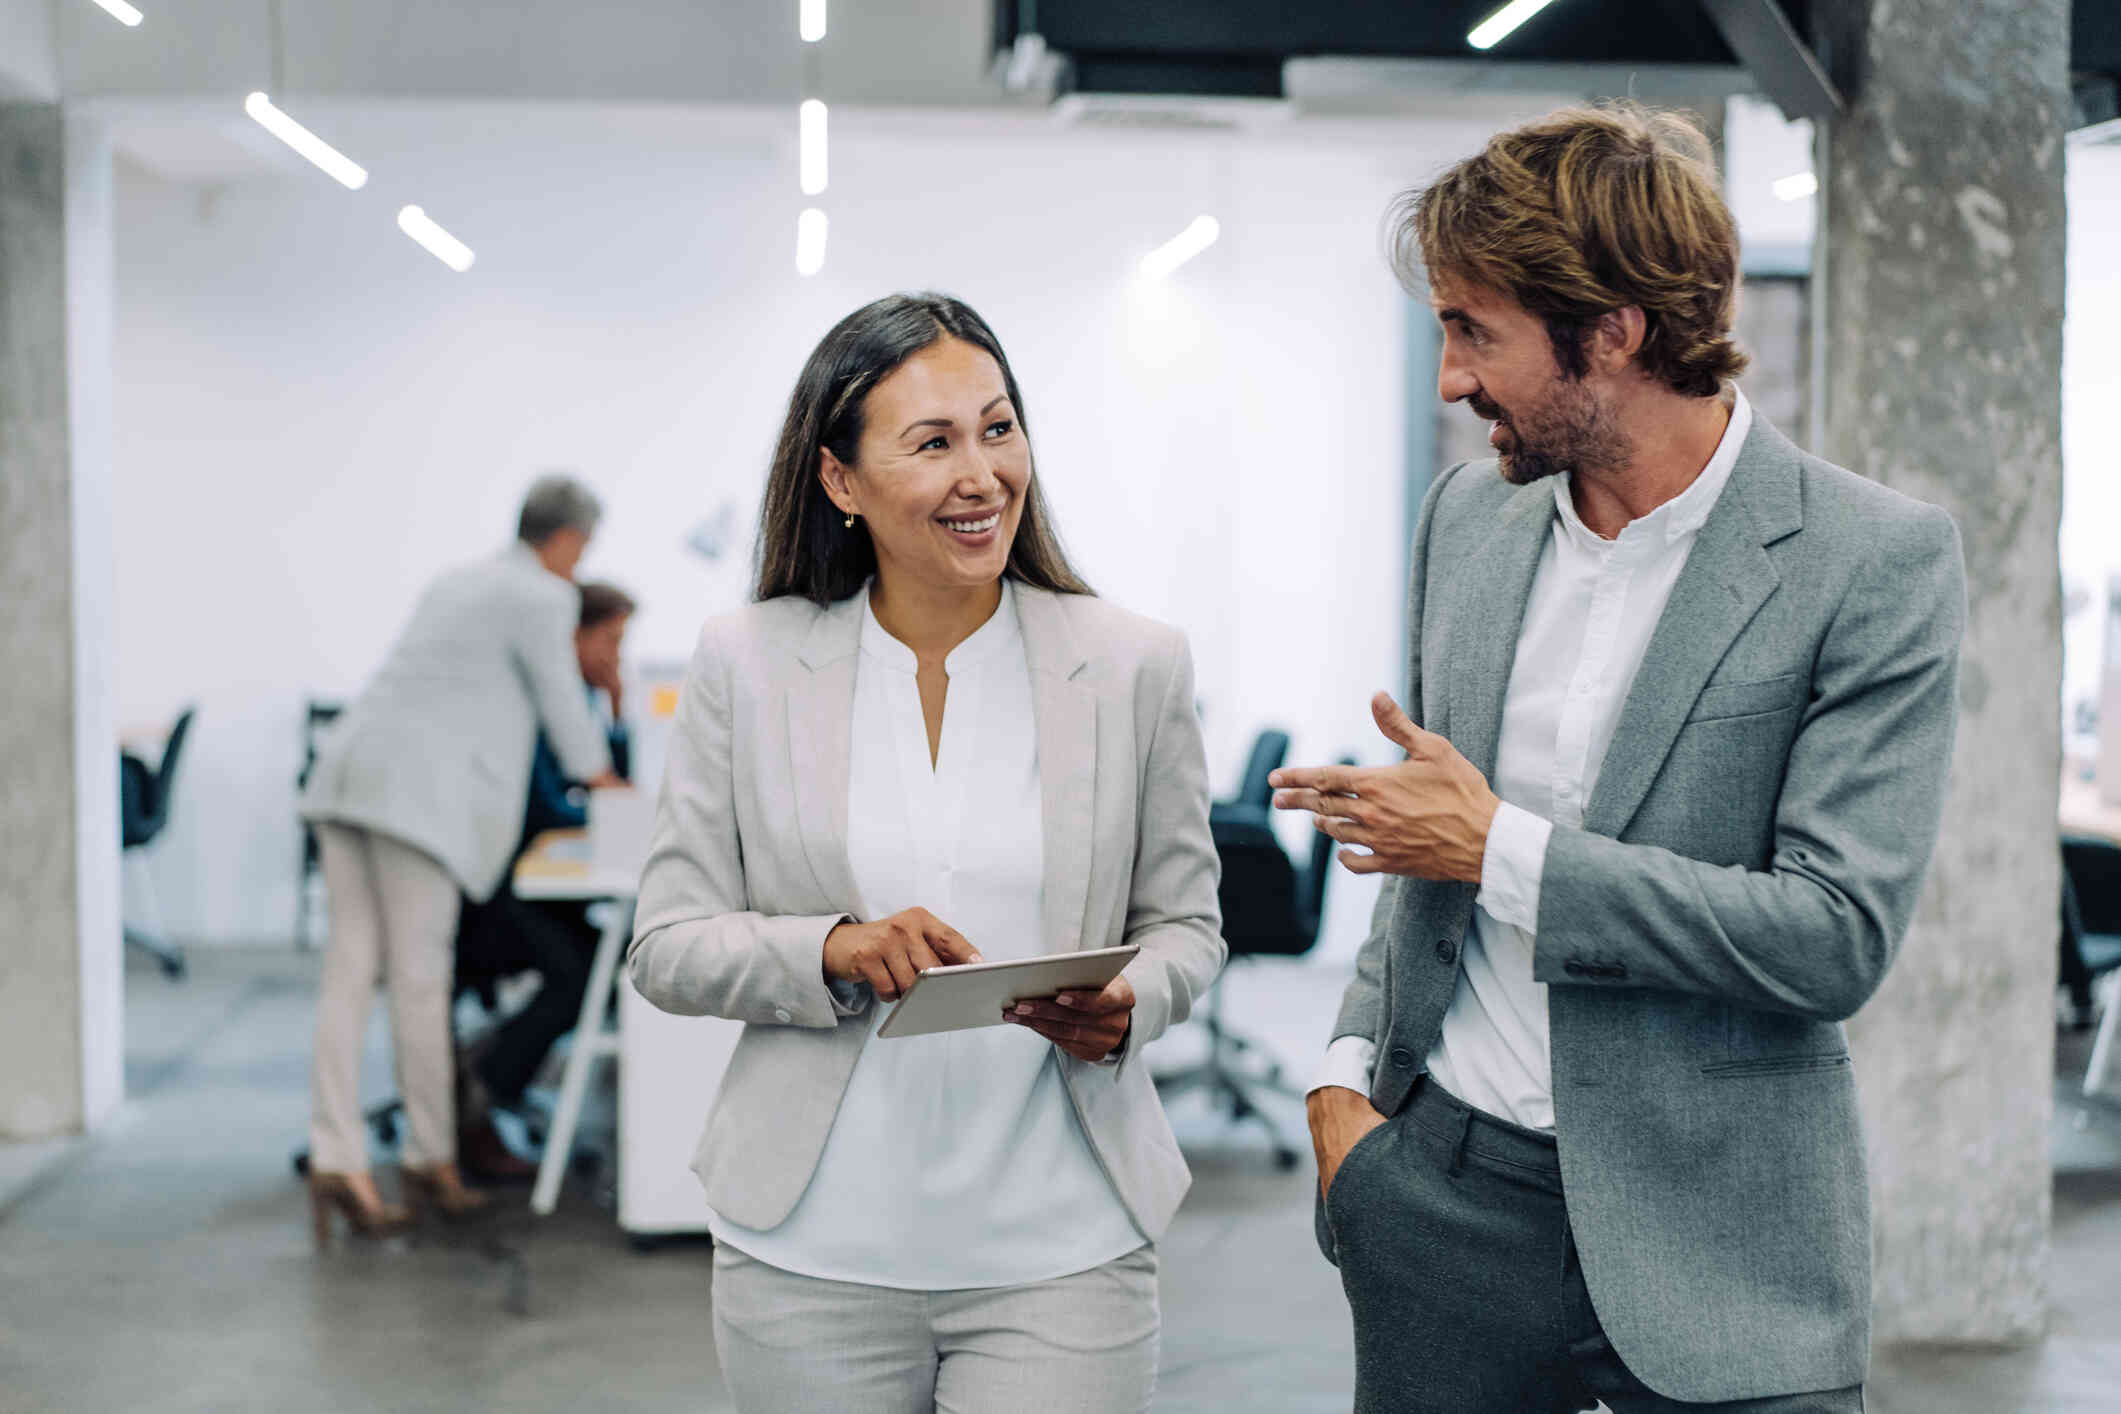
x: 436, y: 751
x: 748, y: 872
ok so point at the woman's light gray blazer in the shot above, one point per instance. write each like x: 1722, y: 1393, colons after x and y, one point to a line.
x: 748, y: 872
x: 436, y: 750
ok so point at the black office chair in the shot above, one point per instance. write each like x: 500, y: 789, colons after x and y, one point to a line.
x: 317, y: 715
x: 1269, y: 910
x: 144, y: 795
x: 2091, y: 919
x: 1254, y: 796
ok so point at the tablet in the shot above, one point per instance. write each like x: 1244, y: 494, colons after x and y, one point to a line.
x: 974, y: 993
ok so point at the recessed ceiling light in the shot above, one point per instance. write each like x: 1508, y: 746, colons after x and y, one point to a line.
x: 810, y: 241
x: 443, y: 246
x: 1797, y: 186
x: 1504, y: 22
x: 343, y: 169
x: 810, y: 123
x: 122, y: 12
x: 1180, y: 248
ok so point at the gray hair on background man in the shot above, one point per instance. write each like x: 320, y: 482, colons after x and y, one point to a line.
x: 557, y: 502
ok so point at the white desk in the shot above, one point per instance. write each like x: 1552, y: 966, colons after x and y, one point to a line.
x: 669, y: 1066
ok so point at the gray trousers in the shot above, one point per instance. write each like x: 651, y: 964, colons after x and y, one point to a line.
x: 1454, y: 1248
x: 1081, y: 1344
x: 394, y: 917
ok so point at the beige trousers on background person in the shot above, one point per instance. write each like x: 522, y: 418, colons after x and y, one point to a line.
x: 1081, y: 1344
x: 393, y: 915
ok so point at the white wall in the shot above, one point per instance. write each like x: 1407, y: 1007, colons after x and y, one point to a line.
x: 314, y: 416
x: 2091, y: 384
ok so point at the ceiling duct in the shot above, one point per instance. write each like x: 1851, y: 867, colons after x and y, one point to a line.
x: 1382, y: 55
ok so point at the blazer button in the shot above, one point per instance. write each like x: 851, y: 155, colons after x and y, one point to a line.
x: 1446, y: 951
x: 781, y: 1014
x: 1402, y: 1057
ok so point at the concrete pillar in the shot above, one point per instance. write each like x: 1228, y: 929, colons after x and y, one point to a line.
x: 61, y: 971
x: 1943, y: 254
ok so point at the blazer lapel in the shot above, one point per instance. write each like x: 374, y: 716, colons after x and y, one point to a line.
x: 820, y: 744
x: 1487, y: 614
x: 1728, y: 576
x: 1065, y: 712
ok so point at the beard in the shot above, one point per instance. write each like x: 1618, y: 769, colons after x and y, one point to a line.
x: 1572, y: 430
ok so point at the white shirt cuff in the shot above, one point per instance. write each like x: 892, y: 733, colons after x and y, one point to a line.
x: 1514, y: 866
x: 1350, y: 1063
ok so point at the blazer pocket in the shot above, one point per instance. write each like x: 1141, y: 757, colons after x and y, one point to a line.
x: 1748, y: 699
x: 1777, y: 1065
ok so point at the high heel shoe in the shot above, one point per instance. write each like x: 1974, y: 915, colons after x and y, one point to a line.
x: 365, y: 1218
x: 439, y: 1189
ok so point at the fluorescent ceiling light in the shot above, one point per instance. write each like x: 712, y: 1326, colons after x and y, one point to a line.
x: 1180, y: 248
x: 1797, y: 186
x: 810, y: 20
x: 811, y: 122
x: 1500, y: 25
x: 810, y: 241
x: 443, y: 246
x: 343, y: 169
x: 124, y: 13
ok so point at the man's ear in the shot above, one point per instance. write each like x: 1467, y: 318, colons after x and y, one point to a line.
x: 832, y: 475
x: 1617, y: 337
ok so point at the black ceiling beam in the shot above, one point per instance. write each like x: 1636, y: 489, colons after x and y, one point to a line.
x: 1182, y: 46
x: 1761, y: 35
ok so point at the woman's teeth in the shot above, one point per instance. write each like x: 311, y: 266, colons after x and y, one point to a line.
x: 975, y: 527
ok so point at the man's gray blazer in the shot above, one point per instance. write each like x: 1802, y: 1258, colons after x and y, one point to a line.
x: 1747, y: 867
x: 436, y: 750
x: 748, y: 873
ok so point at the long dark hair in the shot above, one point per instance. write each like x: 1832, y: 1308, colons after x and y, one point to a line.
x: 805, y: 546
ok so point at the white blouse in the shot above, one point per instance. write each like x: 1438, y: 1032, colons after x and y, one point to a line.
x: 955, y: 1160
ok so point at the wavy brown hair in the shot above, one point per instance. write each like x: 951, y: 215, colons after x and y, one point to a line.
x: 1584, y: 212
x: 805, y: 546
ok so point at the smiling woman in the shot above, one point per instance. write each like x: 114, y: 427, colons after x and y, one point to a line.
x: 965, y: 1220
x: 805, y: 545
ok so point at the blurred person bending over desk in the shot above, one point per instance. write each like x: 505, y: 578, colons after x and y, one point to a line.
x: 417, y: 797
x: 555, y: 938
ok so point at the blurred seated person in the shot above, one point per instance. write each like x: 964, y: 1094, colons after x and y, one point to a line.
x: 506, y: 934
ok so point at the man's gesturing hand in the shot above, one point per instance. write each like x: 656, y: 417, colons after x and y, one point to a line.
x: 1427, y: 816
x: 1086, y: 1026
x: 1340, y: 1117
x: 889, y: 953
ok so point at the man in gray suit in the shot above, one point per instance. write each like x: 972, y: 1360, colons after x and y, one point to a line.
x: 1681, y: 710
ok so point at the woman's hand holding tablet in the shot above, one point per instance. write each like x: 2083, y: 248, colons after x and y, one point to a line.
x: 1087, y: 1025
x: 891, y: 952
x: 991, y: 994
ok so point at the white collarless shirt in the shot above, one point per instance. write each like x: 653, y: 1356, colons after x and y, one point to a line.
x: 1594, y: 605
x: 955, y: 1160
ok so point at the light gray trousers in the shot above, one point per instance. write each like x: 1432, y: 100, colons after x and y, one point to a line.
x: 1081, y: 1344
x: 394, y: 916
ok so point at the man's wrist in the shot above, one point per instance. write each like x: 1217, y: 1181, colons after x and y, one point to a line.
x: 1514, y: 869
x: 1349, y: 1063
x: 1486, y: 829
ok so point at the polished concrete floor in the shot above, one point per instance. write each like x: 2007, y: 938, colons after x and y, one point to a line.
x: 166, y: 1264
